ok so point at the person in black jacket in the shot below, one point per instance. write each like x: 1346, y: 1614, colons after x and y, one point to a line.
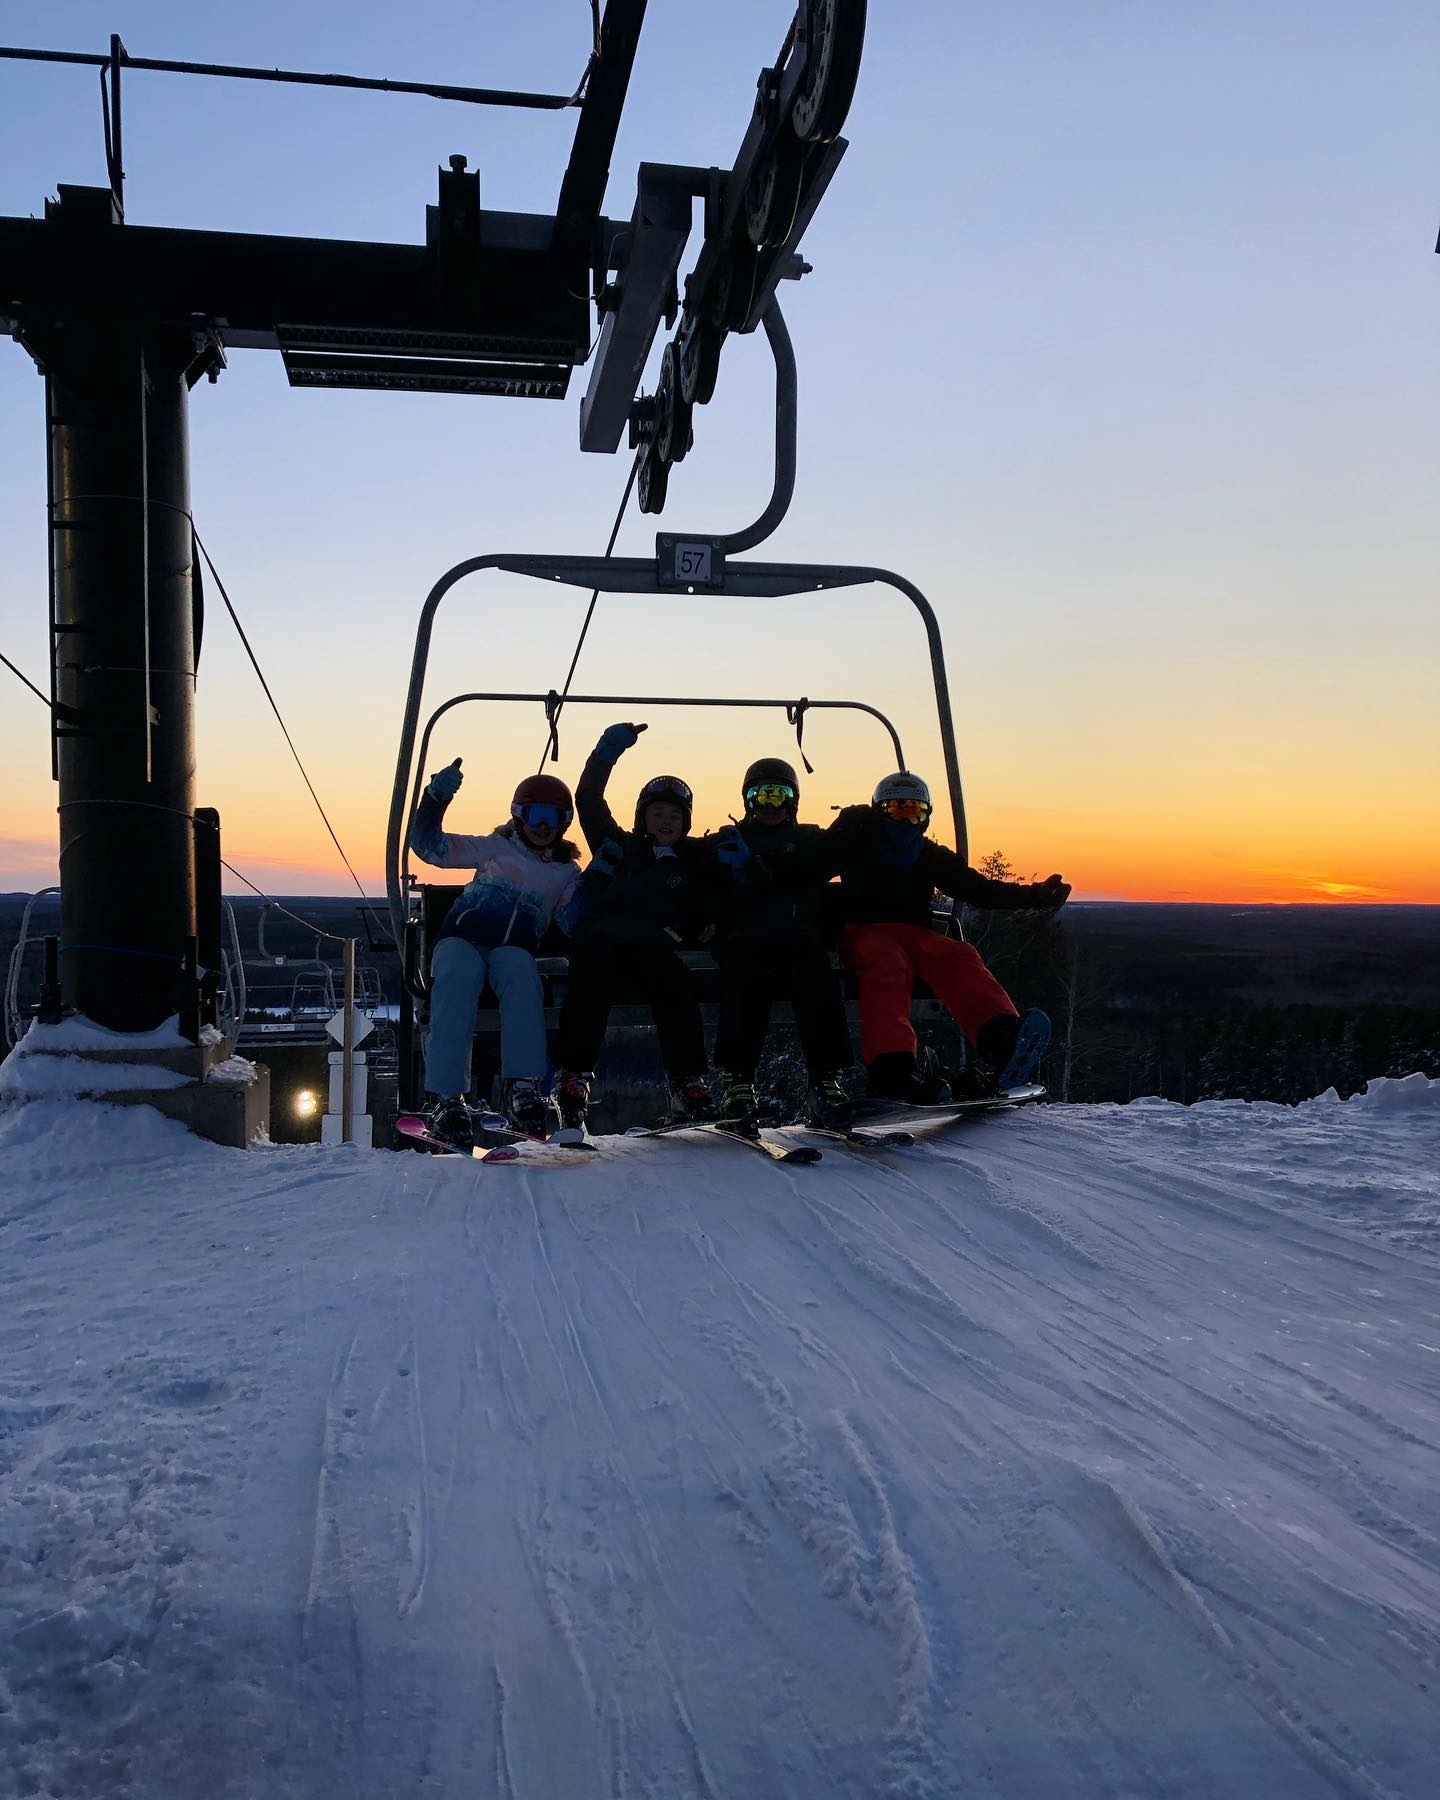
x: 768, y: 946
x: 889, y: 872
x: 646, y: 900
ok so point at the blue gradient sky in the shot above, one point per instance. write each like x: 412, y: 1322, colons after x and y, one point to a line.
x: 1121, y: 342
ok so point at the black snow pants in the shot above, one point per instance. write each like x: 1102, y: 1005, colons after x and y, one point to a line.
x: 755, y: 972
x: 600, y: 969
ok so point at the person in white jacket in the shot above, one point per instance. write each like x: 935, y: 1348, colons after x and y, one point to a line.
x: 526, y: 874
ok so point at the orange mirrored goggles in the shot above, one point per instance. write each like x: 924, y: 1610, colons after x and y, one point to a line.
x: 916, y: 812
x: 770, y: 793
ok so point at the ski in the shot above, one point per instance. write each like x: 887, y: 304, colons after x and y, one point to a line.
x: 574, y: 1135
x: 801, y: 1153
x: 863, y: 1140
x: 537, y: 1153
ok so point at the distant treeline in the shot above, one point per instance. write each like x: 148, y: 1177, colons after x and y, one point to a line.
x: 1191, y: 1002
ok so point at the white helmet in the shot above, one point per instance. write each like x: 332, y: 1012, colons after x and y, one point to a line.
x: 902, y: 786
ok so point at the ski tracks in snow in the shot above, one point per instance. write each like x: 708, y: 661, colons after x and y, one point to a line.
x: 1047, y: 1458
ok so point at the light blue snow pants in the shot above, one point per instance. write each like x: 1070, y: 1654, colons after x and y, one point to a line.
x: 458, y: 973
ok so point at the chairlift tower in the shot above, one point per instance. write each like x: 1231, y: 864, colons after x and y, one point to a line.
x: 123, y: 320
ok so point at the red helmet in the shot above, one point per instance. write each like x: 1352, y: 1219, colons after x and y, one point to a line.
x: 545, y: 790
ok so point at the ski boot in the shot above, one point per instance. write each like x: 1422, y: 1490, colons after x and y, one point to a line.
x: 1013, y: 1046
x: 690, y: 1099
x: 738, y: 1108
x: 530, y: 1111
x: 572, y: 1096
x: 912, y: 1078
x: 827, y: 1105
x: 447, y: 1117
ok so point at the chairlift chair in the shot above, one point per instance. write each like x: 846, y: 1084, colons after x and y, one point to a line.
x: 683, y: 565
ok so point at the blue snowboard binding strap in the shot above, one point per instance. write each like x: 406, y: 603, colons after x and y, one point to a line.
x: 1032, y: 1040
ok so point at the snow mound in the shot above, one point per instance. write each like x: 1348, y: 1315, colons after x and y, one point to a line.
x: 1401, y: 1094
x: 46, y: 1076
x: 1078, y: 1452
x: 238, y: 1070
x: 41, y: 1065
x: 79, y: 1033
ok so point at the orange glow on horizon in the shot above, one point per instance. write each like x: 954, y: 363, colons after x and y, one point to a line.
x: 1118, y: 829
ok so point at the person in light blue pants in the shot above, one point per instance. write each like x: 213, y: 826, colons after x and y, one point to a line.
x: 459, y: 971
x: 527, y: 877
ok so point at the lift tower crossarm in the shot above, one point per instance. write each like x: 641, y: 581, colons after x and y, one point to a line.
x: 293, y: 294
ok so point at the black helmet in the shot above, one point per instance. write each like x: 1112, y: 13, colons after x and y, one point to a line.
x: 770, y: 768
x: 669, y: 788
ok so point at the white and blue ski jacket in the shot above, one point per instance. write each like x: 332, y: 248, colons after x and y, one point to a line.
x: 516, y: 890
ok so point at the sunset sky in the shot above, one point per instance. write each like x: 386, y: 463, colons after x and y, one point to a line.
x: 1121, y: 343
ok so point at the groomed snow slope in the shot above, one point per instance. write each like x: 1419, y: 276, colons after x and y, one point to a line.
x: 1089, y: 1451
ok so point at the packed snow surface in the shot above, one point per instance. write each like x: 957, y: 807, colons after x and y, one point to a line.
x: 1080, y: 1451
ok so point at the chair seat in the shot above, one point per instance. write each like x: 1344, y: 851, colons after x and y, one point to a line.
x: 554, y: 965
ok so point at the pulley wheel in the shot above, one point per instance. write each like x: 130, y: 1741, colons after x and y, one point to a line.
x: 734, y: 285
x: 652, y: 481
x: 832, y: 67
x: 700, y: 343
x: 672, y: 413
x: 773, y: 192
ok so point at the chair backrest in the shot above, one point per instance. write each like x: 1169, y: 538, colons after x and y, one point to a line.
x: 435, y: 901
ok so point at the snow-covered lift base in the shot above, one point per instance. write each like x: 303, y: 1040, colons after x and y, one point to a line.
x: 217, y: 1095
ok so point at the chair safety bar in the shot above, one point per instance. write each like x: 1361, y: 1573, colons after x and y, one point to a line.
x: 794, y: 711
x: 639, y: 575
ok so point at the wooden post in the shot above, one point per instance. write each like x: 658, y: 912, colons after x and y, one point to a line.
x: 347, y: 1045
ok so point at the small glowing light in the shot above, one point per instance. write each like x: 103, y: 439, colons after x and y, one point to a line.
x: 305, y: 1103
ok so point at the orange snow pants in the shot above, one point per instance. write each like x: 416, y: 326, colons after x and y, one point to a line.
x: 886, y: 959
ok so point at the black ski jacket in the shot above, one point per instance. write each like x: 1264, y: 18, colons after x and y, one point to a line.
x: 875, y: 890
x: 650, y: 895
x: 777, y: 894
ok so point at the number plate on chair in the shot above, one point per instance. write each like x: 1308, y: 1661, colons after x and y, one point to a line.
x: 689, y: 562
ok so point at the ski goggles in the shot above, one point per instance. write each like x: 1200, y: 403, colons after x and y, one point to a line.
x: 914, y: 812
x: 668, y: 790
x: 538, y: 812
x: 770, y: 793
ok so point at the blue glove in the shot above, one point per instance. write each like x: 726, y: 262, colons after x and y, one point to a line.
x: 606, y: 860
x: 615, y: 740
x: 732, y: 850
x: 445, y: 783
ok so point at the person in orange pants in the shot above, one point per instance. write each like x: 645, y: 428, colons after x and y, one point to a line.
x: 886, y: 957
x: 889, y: 872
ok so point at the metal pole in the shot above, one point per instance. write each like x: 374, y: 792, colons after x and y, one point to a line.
x: 166, y: 65
x: 124, y: 664
x: 347, y: 1048
x: 117, y: 142
x: 208, y: 911
x: 51, y: 1008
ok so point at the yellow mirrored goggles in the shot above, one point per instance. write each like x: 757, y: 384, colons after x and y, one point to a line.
x: 770, y: 793
x: 917, y: 812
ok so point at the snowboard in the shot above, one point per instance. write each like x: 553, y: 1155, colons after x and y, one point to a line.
x: 491, y: 1131
x: 881, y: 1115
